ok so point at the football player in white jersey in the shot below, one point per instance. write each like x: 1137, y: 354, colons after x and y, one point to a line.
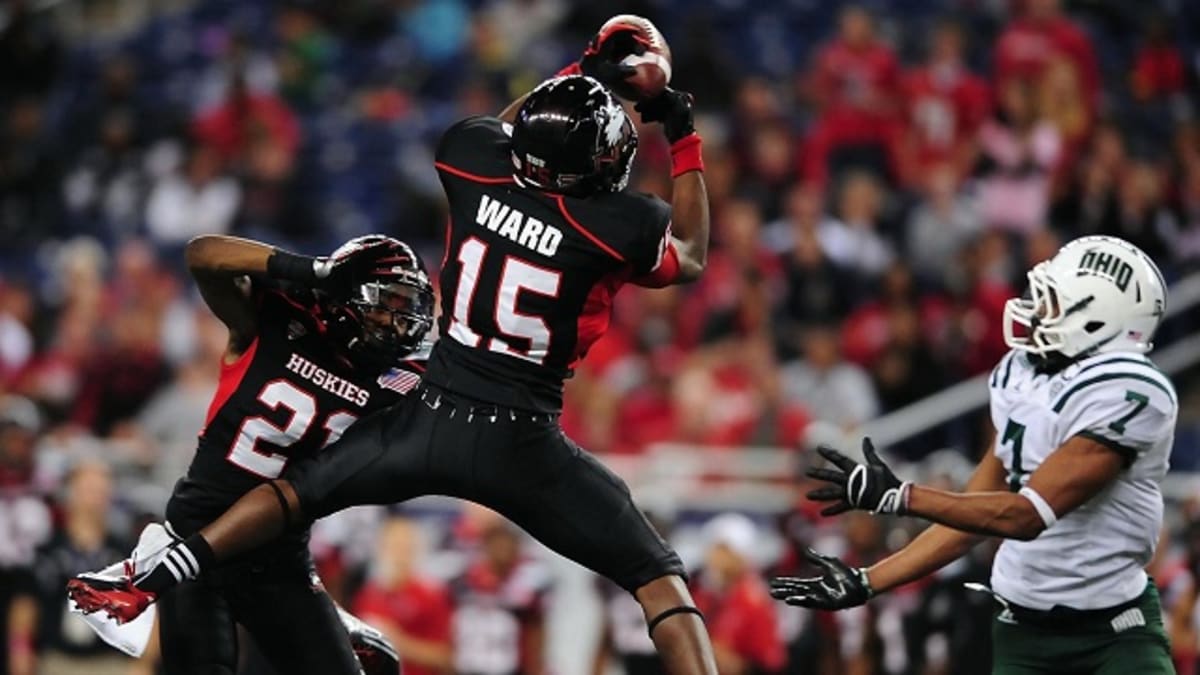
x: 1071, y: 483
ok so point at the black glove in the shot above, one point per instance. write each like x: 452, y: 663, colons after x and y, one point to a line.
x: 602, y: 58
x: 351, y: 265
x: 839, y: 586
x: 870, y: 487
x: 673, y: 109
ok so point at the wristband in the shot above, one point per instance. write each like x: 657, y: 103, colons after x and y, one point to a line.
x: 573, y: 69
x: 685, y: 155
x: 290, y: 266
x: 866, y: 582
x: 1044, y: 511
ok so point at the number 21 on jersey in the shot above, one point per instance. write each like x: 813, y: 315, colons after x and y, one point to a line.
x: 515, y: 329
x: 302, y: 408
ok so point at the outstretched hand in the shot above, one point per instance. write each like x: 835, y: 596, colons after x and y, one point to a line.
x: 869, y: 487
x: 838, y: 586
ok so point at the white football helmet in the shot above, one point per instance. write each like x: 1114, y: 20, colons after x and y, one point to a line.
x: 1097, y: 294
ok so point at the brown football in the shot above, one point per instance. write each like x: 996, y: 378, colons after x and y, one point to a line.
x: 653, y: 67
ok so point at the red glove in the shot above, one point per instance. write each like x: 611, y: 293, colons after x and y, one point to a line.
x: 601, y: 59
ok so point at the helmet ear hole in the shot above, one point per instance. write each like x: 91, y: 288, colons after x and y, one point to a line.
x: 1093, y: 326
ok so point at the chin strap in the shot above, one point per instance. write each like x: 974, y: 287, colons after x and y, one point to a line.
x: 666, y: 614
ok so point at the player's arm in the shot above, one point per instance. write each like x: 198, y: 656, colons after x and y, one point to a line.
x: 938, y: 545
x: 689, y: 196
x: 1074, y: 473
x: 930, y: 551
x: 217, y: 263
x: 690, y: 222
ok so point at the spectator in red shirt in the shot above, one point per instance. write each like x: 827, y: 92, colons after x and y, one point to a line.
x: 855, y: 84
x: 1041, y: 35
x: 1158, y: 68
x: 413, y: 612
x: 1158, y: 83
x: 738, y: 611
x: 499, y: 607
x: 944, y: 106
x: 248, y: 119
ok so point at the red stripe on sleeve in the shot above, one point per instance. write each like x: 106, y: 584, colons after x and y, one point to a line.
x: 666, y: 273
x: 486, y: 180
x: 562, y: 206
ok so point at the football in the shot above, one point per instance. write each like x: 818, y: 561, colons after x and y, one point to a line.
x: 653, y: 66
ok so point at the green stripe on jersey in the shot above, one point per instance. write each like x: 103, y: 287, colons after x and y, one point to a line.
x: 996, y: 371
x: 1141, y: 362
x: 1008, y: 369
x: 1128, y: 454
x: 1058, y: 406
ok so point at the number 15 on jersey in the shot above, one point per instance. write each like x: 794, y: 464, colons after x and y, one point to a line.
x: 514, y: 333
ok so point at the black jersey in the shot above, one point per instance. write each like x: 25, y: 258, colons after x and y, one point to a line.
x: 287, y: 397
x: 529, y: 276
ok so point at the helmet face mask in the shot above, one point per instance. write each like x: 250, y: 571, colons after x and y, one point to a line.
x: 572, y: 136
x: 1097, y: 294
x: 395, y: 316
x: 385, y: 318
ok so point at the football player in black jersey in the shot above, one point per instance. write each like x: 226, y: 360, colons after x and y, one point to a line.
x: 543, y: 232
x: 300, y: 368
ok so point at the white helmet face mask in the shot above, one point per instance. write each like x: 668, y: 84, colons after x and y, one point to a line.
x: 1098, y: 294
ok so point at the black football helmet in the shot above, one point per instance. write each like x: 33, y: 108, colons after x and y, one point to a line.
x: 572, y: 136
x: 387, y: 317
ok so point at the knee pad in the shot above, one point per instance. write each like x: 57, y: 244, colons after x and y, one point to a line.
x: 666, y: 614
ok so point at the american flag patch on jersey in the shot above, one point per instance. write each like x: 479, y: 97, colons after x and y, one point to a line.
x: 398, y: 380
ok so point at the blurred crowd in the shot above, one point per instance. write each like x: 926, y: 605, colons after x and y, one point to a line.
x: 881, y: 176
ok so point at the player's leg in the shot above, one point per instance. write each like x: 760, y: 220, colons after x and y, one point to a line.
x: 565, y: 498
x: 1019, y: 649
x: 1135, y: 641
x: 355, y: 470
x: 1144, y: 653
x: 294, y: 623
x: 196, y: 632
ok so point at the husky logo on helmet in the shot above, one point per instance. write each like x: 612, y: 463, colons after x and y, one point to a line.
x: 1107, y: 265
x: 572, y: 136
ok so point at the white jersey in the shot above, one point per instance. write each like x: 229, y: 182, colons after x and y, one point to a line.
x: 1093, y: 557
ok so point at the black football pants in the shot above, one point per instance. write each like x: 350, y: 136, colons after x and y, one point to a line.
x: 292, y: 620
x: 514, y: 462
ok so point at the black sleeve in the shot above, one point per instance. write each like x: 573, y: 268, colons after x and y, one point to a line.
x: 473, y: 144
x: 655, y: 231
